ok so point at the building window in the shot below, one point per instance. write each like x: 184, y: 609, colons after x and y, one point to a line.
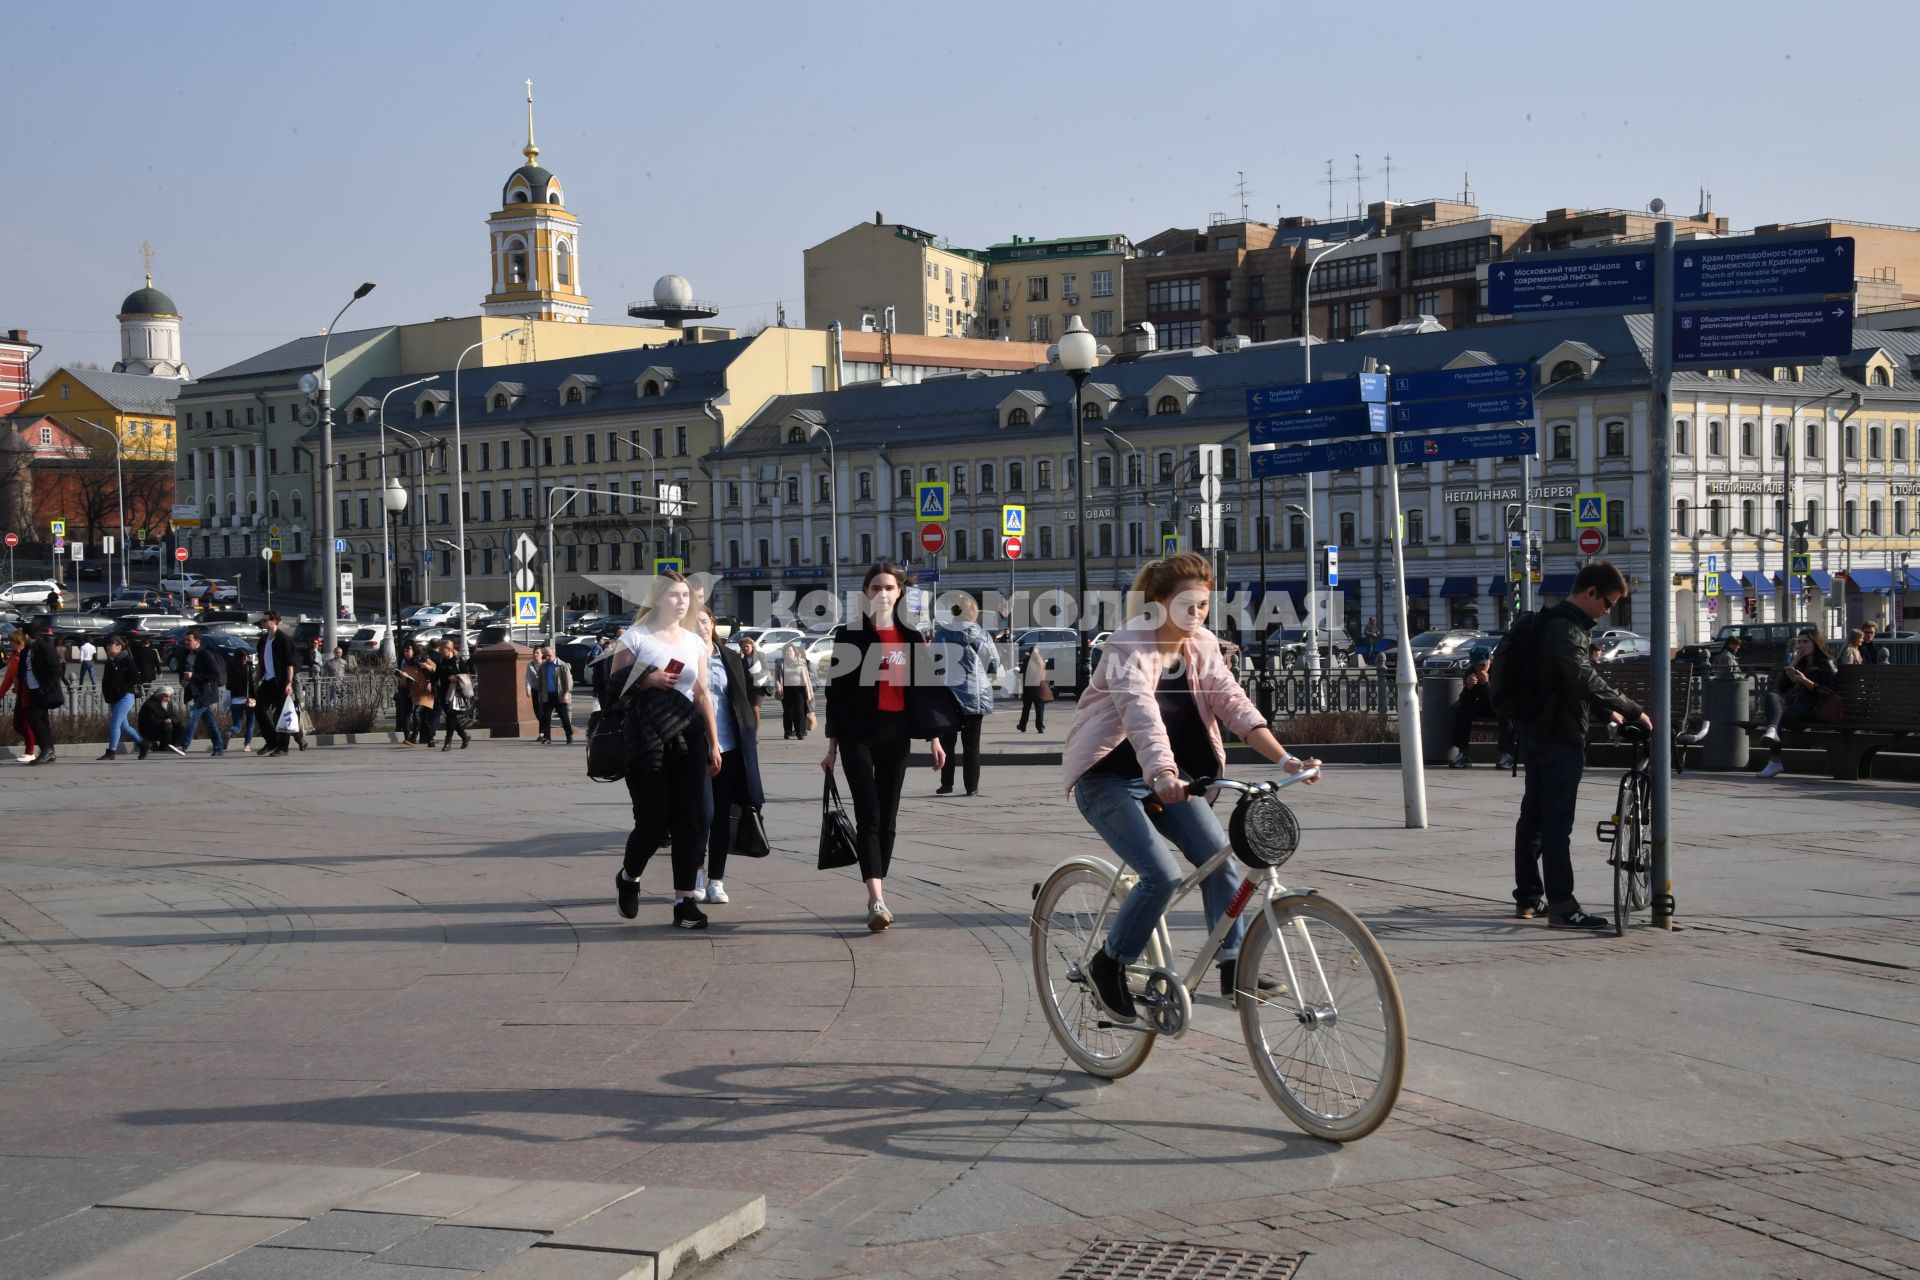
x: 959, y: 544
x: 566, y: 448
x: 1616, y: 519
x: 1880, y: 378
x: 1562, y: 525
x: 1462, y: 525
x: 1748, y: 430
x: 1850, y: 517
x: 1090, y: 411
x: 1174, y: 295
x: 1103, y: 472
x: 1296, y: 532
x: 1102, y: 324
x: 866, y: 486
x: 1039, y: 328
x: 1873, y: 516
x: 1046, y: 542
x: 986, y: 477
x: 680, y: 440
x: 904, y: 483
x: 1899, y: 444
x: 516, y: 262
x: 1178, y: 335
x: 1101, y: 284
x: 793, y: 491
x: 1043, y: 475
x: 1682, y: 436
x: 1616, y: 439
x: 563, y: 267
x: 1876, y: 442
x: 1850, y: 438
x: 823, y: 486
x: 1166, y: 404
x: 1416, y: 527
x: 1036, y: 288
x: 1348, y: 526
x: 1717, y: 439
x: 1359, y: 316
x: 1813, y: 439
x: 1017, y: 418
x: 1565, y: 371
x: 1016, y: 477
x: 1563, y: 440
x: 1680, y: 516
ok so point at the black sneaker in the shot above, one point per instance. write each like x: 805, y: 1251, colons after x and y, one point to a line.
x: 1528, y: 910
x: 1461, y: 761
x: 687, y: 915
x: 142, y: 748
x: 111, y: 755
x: 944, y: 791
x: 1577, y: 920
x: 626, y: 895
x: 1108, y: 979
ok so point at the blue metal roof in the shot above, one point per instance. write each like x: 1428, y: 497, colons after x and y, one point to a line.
x: 1555, y: 584
x: 1457, y: 587
x: 1871, y: 579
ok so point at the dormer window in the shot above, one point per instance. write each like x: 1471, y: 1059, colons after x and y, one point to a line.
x: 359, y: 415
x: 651, y: 389
x: 500, y: 400
x: 1565, y: 370
x: 576, y: 396
x: 796, y: 436
x: 427, y: 409
x: 1090, y: 412
x: 1880, y: 378
x: 1172, y: 394
x: 578, y: 388
x: 520, y: 197
x: 1018, y: 418
x: 1166, y: 404
x: 654, y: 380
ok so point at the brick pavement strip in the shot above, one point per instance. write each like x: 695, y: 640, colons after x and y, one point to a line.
x: 433, y: 968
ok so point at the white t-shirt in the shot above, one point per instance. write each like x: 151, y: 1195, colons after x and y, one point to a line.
x: 87, y: 651
x: 649, y: 650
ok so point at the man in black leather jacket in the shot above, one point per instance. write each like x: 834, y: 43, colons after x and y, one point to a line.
x: 1564, y: 686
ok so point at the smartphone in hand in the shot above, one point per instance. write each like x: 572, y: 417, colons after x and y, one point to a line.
x: 673, y: 669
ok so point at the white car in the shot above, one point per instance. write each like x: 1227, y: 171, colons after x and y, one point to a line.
x: 439, y: 615
x: 34, y: 592
x: 152, y: 553
x: 216, y: 590
x: 181, y: 580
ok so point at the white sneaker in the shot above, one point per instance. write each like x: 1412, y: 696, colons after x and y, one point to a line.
x: 1771, y: 735
x: 699, y: 893
x: 29, y: 758
x: 1773, y: 770
x: 717, y: 891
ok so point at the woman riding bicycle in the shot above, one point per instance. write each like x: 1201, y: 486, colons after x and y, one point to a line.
x: 1148, y: 724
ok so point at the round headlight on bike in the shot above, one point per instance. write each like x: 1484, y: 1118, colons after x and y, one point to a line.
x: 1263, y: 831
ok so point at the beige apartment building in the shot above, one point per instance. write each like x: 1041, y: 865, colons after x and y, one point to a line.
x: 931, y: 288
x: 1034, y: 285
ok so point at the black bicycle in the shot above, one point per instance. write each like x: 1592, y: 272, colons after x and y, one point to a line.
x: 1628, y: 834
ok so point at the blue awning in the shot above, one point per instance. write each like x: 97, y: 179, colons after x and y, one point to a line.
x: 1871, y: 579
x: 1498, y: 585
x: 1556, y: 584
x: 1913, y: 580
x: 1417, y: 588
x: 1821, y: 579
x: 1275, y: 586
x: 1756, y: 583
x: 1457, y: 588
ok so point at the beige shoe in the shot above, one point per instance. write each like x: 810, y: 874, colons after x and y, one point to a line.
x: 878, y: 917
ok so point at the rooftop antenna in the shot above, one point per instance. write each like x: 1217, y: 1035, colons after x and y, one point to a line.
x: 1330, y: 185
x: 1466, y: 188
x: 1386, y: 171
x: 1243, y: 193
x: 1359, y: 189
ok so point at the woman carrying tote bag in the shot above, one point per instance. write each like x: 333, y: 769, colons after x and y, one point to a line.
x: 875, y: 707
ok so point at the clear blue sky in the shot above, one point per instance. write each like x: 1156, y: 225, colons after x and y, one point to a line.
x: 278, y: 155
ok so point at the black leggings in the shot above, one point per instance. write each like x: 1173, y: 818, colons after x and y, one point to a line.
x: 793, y: 711
x: 1030, y: 702
x: 456, y: 722
x: 672, y: 804
x: 967, y: 739
x: 729, y: 789
x: 876, y: 771
x: 1781, y: 713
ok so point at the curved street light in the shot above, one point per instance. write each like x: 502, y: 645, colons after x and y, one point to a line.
x: 329, y: 558
x: 393, y: 500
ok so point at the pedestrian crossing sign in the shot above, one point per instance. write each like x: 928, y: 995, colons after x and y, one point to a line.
x: 931, y: 501
x: 1710, y: 585
x: 1589, y: 511
x: 663, y: 563
x: 1169, y: 545
x: 1802, y: 564
x: 1013, y: 522
x: 526, y: 607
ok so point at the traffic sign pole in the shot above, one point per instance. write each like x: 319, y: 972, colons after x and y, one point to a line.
x: 1660, y: 571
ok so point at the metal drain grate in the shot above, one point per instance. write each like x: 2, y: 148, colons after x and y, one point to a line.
x: 1153, y: 1260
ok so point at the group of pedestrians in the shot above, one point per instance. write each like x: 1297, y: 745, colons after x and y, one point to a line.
x: 434, y: 691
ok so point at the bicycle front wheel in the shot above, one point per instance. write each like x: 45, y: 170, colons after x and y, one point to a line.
x: 1630, y: 856
x: 1071, y: 915
x: 1331, y: 1045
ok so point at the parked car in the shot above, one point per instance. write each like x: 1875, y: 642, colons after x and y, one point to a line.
x: 1624, y: 648
x: 91, y: 571
x: 135, y: 599
x: 152, y: 553
x: 1289, y: 645
x: 72, y: 628
x: 1429, y: 642
x: 154, y: 626
x: 1059, y: 647
x: 1462, y: 656
x: 181, y: 580
x: 440, y: 615
x: 217, y: 590
x: 363, y: 646
x: 223, y: 643
x: 31, y: 591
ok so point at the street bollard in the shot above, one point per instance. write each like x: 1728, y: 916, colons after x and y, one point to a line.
x: 1726, y: 701
x: 1439, y: 696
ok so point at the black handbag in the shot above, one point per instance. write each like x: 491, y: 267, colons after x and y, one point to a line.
x: 749, y: 832
x: 839, y: 845
x: 607, y: 744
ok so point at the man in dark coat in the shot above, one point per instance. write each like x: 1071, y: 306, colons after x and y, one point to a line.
x: 203, y: 677
x: 276, y: 683
x: 41, y: 691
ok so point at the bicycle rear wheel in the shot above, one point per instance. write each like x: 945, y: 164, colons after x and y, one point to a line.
x: 1620, y: 856
x: 1071, y: 915
x: 1335, y: 1065
x: 1640, y: 883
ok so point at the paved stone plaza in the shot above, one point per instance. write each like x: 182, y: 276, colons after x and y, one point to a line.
x: 407, y: 962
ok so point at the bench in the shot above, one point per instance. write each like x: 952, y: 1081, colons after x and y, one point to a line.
x: 1635, y: 681
x: 1883, y: 713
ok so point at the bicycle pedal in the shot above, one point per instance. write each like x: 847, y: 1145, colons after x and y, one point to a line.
x: 1607, y: 832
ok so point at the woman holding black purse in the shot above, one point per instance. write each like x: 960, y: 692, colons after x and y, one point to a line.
x: 884, y: 693
x: 736, y: 723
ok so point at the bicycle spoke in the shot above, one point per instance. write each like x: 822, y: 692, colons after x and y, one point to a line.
x: 1069, y: 918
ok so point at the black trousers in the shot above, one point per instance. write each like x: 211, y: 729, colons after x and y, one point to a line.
x: 793, y: 711
x: 1471, y: 708
x: 269, y: 701
x: 39, y: 720
x: 1781, y: 713
x: 728, y: 788
x: 403, y: 715
x: 456, y: 722
x: 1030, y: 701
x: 548, y: 708
x: 876, y: 771
x: 671, y: 805
x: 967, y: 737
x: 1543, y: 836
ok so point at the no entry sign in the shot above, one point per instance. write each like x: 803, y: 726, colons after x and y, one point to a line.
x: 13, y: 540
x: 180, y: 554
x: 932, y: 538
x: 1013, y: 548
x: 1592, y: 541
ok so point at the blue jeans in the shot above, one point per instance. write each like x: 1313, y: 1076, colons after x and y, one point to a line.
x: 118, y: 723
x: 213, y: 728
x: 240, y: 720
x: 1114, y: 807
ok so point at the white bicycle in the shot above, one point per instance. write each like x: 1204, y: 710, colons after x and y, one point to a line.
x: 1328, y: 1040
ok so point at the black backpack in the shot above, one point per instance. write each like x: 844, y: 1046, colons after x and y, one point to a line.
x: 1513, y: 682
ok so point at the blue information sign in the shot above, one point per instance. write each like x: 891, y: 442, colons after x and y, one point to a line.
x: 1364, y: 388
x: 1755, y: 267
x: 1468, y: 411
x: 1367, y: 451
x: 1293, y: 427
x: 1506, y: 443
x: 1537, y: 282
x: 1475, y: 380
x: 1755, y: 335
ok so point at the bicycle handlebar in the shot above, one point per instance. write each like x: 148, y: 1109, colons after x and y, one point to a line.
x: 1253, y: 788
x: 1638, y: 734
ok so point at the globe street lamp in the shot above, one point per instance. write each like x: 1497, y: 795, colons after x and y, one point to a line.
x: 817, y: 430
x: 329, y: 558
x: 459, y: 480
x: 1078, y: 351
x: 393, y: 500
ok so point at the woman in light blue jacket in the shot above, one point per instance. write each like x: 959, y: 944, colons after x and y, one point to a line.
x: 966, y: 656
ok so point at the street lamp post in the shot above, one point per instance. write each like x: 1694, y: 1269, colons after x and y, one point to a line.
x: 120, y: 486
x: 1310, y: 658
x: 393, y: 501
x: 1306, y: 354
x: 329, y: 558
x: 459, y: 480
x: 1078, y: 351
x: 653, y: 484
x: 817, y: 430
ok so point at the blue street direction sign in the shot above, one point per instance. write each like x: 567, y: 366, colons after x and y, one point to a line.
x: 1333, y: 565
x: 1506, y: 443
x: 1289, y: 428
x: 1538, y: 282
x: 1757, y: 335
x: 1468, y: 411
x: 339, y: 546
x: 1367, y: 451
x: 1475, y: 380
x: 1753, y: 267
x: 1333, y: 393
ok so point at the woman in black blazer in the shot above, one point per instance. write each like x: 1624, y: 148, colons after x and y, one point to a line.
x: 875, y: 707
x: 736, y: 714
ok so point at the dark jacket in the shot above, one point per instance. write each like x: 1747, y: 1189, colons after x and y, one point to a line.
x: 146, y: 660
x: 282, y: 649
x: 743, y: 706
x: 161, y: 720
x: 241, y: 680
x: 45, y: 662
x: 657, y: 725
x: 1566, y: 684
x: 119, y: 678
x: 445, y: 670
x: 853, y: 695
x: 1821, y: 671
x: 202, y: 674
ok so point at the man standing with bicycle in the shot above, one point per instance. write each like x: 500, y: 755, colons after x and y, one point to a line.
x: 1549, y: 687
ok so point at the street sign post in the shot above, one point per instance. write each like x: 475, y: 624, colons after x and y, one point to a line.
x: 1359, y: 420
x: 1468, y: 411
x: 58, y: 528
x: 1332, y: 456
x: 1332, y: 393
x: 1013, y: 521
x: 1589, y: 510
x: 1170, y: 543
x: 1508, y: 442
x: 339, y: 546
x: 930, y: 500
x: 266, y: 553
x: 932, y: 538
x: 1591, y: 542
x: 13, y: 540
x: 1710, y: 584
x: 1333, y: 565
x: 526, y: 608
x: 663, y: 563
x: 1750, y: 267
x: 1533, y: 284
x: 1474, y: 380
x: 180, y: 554
x: 1748, y: 335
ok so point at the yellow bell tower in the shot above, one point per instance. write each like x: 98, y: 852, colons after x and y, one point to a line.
x: 535, y: 245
